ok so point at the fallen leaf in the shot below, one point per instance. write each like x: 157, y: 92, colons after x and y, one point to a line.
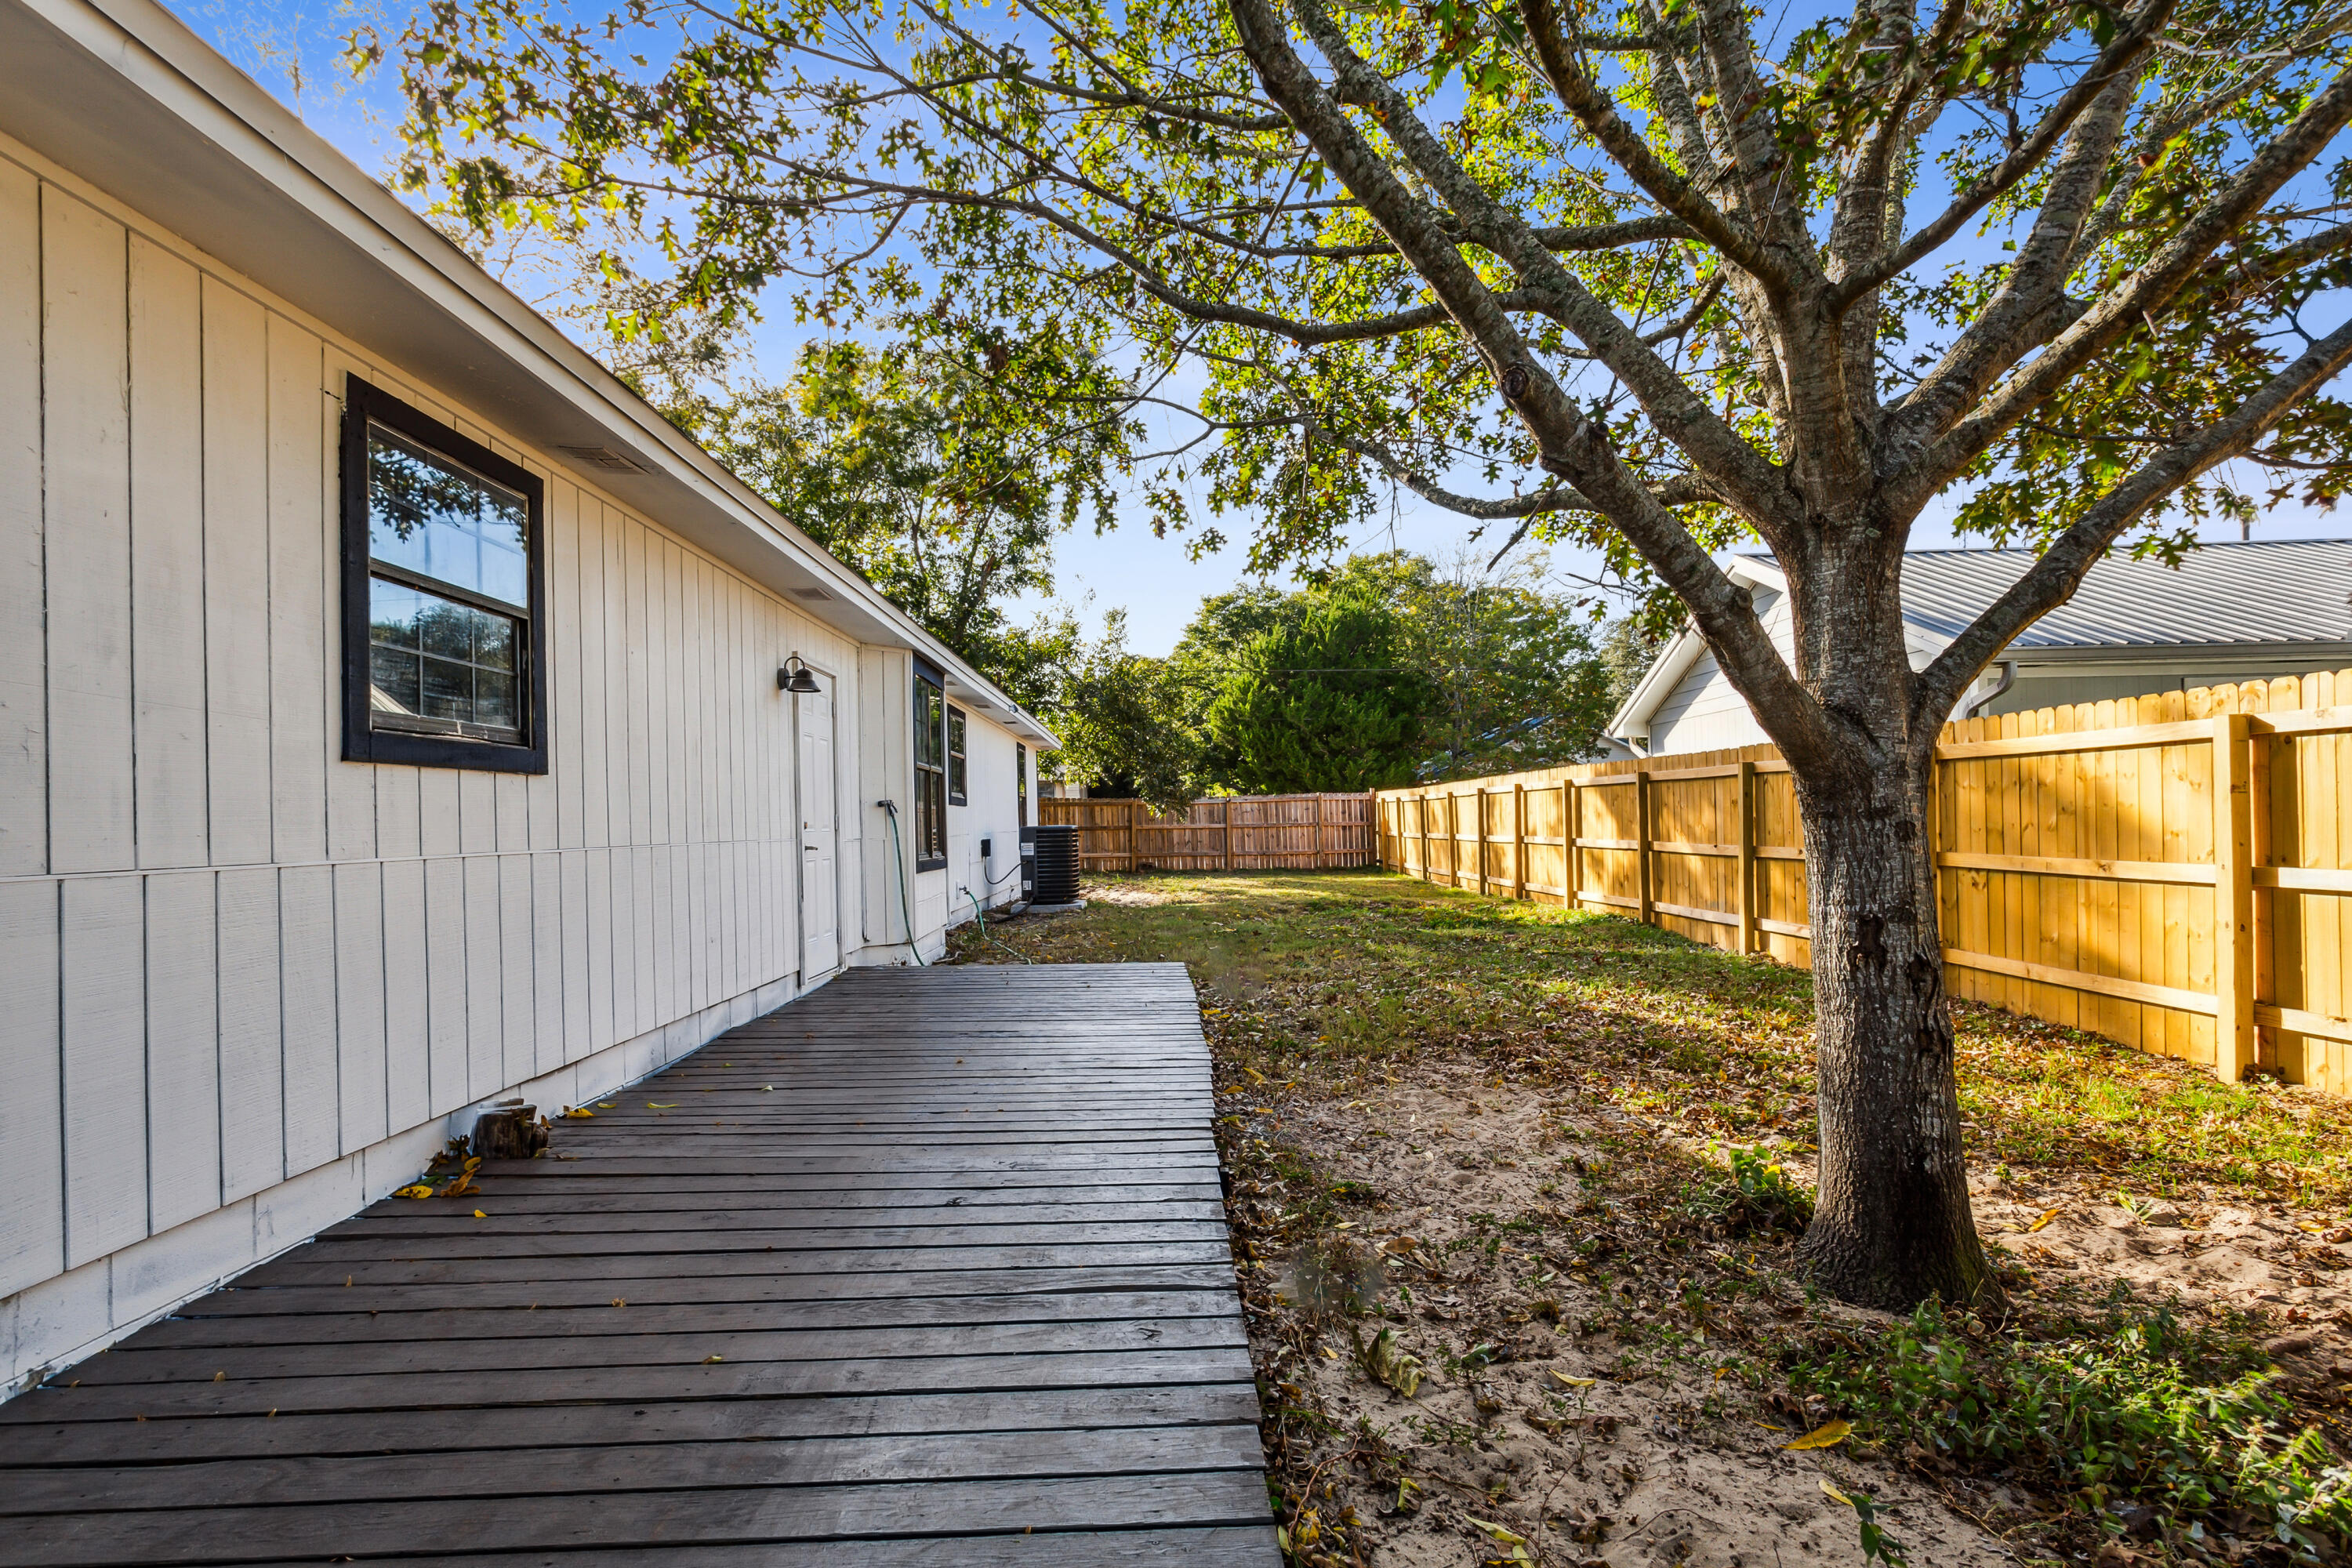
x: 1497, y: 1532
x: 1400, y: 1370
x: 2038, y: 1224
x: 1568, y: 1382
x: 618, y: 1302
x: 577, y: 1114
x: 658, y: 1105
x: 1829, y: 1435
x: 415, y: 1190
x: 709, y: 1359
x: 220, y: 1378
x: 479, y: 1214
x: 608, y: 1105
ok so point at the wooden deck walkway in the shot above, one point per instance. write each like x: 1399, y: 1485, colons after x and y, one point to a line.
x: 928, y: 1268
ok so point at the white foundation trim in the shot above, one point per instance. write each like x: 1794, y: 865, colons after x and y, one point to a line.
x: 81, y: 1312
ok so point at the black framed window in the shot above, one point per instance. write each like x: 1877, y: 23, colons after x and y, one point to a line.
x: 1021, y: 782
x: 444, y: 629
x: 959, y: 780
x: 930, y: 771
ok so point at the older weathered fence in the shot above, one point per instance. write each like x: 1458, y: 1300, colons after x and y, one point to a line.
x: 2170, y: 871
x: 1229, y: 833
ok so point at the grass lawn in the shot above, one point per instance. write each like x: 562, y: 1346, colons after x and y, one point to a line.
x: 1494, y: 1140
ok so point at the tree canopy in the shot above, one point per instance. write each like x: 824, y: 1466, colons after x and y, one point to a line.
x: 1324, y: 703
x: 913, y: 469
x: 1383, y: 669
x: 1657, y: 275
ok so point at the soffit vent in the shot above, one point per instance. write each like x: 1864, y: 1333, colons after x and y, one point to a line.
x: 812, y: 594
x: 605, y: 457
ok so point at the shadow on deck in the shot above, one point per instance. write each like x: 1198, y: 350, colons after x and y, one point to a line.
x: 928, y: 1267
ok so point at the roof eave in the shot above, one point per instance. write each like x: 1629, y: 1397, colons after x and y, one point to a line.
x: 125, y: 96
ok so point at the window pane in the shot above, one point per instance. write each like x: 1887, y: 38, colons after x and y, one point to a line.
x: 432, y: 518
x: 432, y: 659
x: 448, y: 690
x: 393, y: 673
x: 494, y: 698
x: 447, y: 628
x: 929, y: 705
x: 494, y: 641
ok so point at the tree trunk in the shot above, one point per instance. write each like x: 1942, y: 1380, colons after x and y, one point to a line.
x: 1892, y: 1225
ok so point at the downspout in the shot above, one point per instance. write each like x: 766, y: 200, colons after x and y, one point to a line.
x: 2008, y: 668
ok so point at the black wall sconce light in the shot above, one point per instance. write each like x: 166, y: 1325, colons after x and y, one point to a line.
x: 797, y: 676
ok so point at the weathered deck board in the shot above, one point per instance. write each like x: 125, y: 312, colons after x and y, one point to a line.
x: 929, y: 1267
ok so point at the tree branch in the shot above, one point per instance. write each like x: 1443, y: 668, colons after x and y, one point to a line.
x: 2119, y: 56
x: 1571, y: 447
x: 1597, y: 112
x: 2005, y: 331
x: 1720, y: 453
x: 2147, y: 289
x: 2052, y: 578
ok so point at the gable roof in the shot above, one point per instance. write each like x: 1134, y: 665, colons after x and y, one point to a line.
x: 2265, y: 594
x: 123, y: 95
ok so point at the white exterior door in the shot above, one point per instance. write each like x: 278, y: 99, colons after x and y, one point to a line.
x: 820, y: 829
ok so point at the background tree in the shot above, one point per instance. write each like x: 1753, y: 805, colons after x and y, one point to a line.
x: 1326, y: 701
x: 1516, y: 681
x: 1507, y: 673
x: 934, y: 479
x: 1124, y: 721
x: 1639, y: 274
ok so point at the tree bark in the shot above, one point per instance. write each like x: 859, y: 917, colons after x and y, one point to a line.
x: 1892, y: 1225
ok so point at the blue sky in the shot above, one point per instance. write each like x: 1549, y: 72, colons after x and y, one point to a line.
x: 292, y: 47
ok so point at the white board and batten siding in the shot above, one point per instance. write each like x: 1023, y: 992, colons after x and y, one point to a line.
x: 1706, y: 714
x: 246, y: 987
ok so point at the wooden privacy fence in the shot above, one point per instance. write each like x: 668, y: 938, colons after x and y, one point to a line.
x: 1228, y: 833
x: 2170, y: 871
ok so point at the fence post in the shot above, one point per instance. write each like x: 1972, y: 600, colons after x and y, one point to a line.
x: 2234, y: 898
x: 1642, y: 842
x: 1519, y: 841
x: 1422, y: 801
x: 1748, y: 857
x: 1225, y: 857
x: 1572, y: 852
x: 1479, y: 804
x: 1134, y: 808
x: 1453, y: 838
x: 2265, y: 926
x: 1319, y: 832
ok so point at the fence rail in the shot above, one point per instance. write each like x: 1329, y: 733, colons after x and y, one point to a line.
x: 1227, y: 833
x: 2170, y: 871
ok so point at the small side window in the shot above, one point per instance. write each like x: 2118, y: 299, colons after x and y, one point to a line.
x: 1021, y: 782
x: 958, y: 780
x: 931, y: 773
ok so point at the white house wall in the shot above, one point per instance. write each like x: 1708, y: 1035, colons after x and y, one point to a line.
x: 1705, y: 713
x: 246, y: 987
x: 991, y: 815
x: 935, y: 898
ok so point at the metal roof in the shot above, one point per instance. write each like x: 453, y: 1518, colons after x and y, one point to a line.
x: 2266, y: 590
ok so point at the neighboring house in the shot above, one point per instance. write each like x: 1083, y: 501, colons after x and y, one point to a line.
x: 391, y: 707
x: 2228, y: 613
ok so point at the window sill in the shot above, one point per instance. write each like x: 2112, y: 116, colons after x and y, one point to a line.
x: 404, y: 748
